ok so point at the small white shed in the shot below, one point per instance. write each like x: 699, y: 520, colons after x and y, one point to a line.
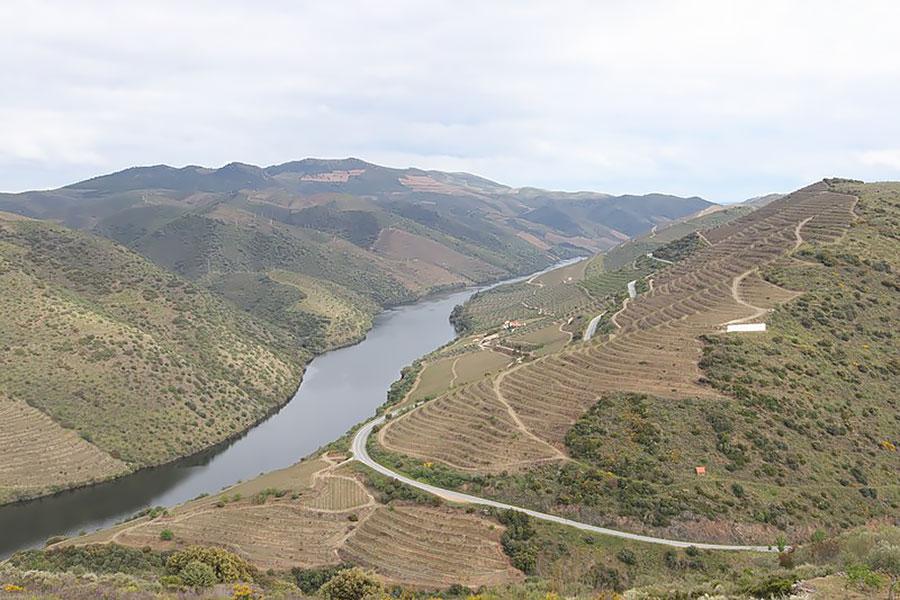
x: 745, y: 327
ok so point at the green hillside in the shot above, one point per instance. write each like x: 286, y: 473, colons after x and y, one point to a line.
x: 141, y: 363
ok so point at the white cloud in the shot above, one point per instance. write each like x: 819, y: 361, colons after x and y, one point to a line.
x: 723, y: 99
x: 889, y: 158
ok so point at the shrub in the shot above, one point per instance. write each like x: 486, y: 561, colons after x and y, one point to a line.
x: 166, y: 535
x: 198, y: 574
x: 228, y: 567
x: 771, y: 587
x: 310, y: 580
x: 96, y: 558
x: 627, y: 556
x: 171, y: 581
x: 786, y: 559
x: 517, y: 540
x: 350, y: 584
x: 861, y: 576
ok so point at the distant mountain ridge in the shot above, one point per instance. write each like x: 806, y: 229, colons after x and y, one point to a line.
x: 352, y: 176
x: 388, y: 235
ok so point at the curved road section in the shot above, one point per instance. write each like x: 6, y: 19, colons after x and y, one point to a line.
x: 361, y: 454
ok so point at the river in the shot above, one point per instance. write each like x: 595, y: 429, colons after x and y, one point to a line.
x: 340, y: 389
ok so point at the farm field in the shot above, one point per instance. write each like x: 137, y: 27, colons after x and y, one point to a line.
x: 40, y: 455
x: 628, y: 251
x: 442, y: 374
x: 430, y: 548
x: 540, y: 340
x: 553, y: 295
x: 319, y: 513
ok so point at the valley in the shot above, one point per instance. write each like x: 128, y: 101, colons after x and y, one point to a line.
x: 682, y: 455
x: 169, y: 310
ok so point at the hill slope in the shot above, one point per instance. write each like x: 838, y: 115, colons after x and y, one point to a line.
x: 133, y: 365
x: 795, y: 428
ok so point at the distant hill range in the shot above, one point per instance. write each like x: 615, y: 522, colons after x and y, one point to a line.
x: 418, y: 229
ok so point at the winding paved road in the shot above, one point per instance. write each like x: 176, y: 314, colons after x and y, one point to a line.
x: 360, y: 453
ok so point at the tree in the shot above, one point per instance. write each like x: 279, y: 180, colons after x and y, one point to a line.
x: 350, y: 584
x: 885, y: 559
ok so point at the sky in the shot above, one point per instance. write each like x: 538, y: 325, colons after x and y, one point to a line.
x: 722, y: 99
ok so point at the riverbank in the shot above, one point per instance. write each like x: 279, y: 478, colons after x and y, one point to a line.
x: 325, y: 406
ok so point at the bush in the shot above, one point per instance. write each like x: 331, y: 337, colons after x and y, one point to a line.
x: 166, y: 535
x: 862, y: 577
x: 350, y: 584
x: 228, y: 567
x: 198, y: 574
x: 517, y: 540
x: 96, y: 558
x: 310, y: 580
x: 627, y: 556
x: 772, y: 587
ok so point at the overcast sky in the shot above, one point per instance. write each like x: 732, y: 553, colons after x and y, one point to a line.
x: 717, y: 98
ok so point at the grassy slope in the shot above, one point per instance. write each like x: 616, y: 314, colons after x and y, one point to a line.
x: 145, y: 365
x: 822, y: 385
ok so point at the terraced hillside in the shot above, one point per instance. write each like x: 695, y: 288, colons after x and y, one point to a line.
x: 632, y: 413
x: 109, y: 363
x: 628, y: 251
x: 795, y: 428
x: 320, y: 513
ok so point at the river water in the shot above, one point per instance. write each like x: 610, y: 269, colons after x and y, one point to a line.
x: 340, y: 388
